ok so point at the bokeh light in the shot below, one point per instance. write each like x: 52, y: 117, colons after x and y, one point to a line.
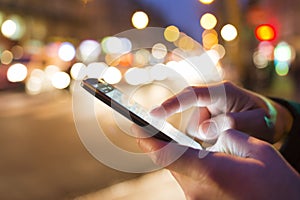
x: 140, y: 20
x: 229, y: 32
x: 206, y: 1
x: 50, y: 70
x: 208, y: 21
x: 186, y: 43
x: 113, y: 45
x: 265, y: 32
x: 34, y: 85
x: 60, y: 80
x: 17, y: 51
x: 89, y: 51
x: 13, y: 28
x: 6, y: 57
x: 220, y: 49
x: 282, y: 68
x: 209, y: 38
x: 266, y: 48
x: 66, y: 51
x: 158, y: 72
x: 260, y: 59
x: 171, y: 33
x: 137, y: 76
x: 17, y: 72
x: 159, y: 51
x: 112, y: 75
x: 283, y: 52
x: 141, y: 57
x: 78, y: 71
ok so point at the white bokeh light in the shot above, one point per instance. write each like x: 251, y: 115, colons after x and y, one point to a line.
x: 66, y: 51
x: 112, y: 75
x: 229, y: 32
x: 60, y: 80
x: 17, y: 72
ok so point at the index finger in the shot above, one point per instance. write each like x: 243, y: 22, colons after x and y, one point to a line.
x: 200, y: 96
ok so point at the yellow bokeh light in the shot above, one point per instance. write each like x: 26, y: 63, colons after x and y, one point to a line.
x: 206, y: 1
x: 229, y: 32
x: 112, y: 59
x: 208, y: 21
x: 8, y: 28
x: 140, y: 20
x: 209, y: 40
x: 186, y: 43
x: 171, y: 33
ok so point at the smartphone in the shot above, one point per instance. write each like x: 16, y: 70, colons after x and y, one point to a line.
x: 136, y: 113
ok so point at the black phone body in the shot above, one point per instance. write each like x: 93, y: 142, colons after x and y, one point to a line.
x: 133, y: 111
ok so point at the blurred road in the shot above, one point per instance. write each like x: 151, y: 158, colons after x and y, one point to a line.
x: 41, y: 156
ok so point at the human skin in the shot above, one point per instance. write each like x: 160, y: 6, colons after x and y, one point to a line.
x: 240, y: 167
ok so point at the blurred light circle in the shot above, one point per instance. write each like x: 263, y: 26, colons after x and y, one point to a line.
x: 206, y: 1
x: 209, y: 40
x: 208, y: 21
x: 158, y: 72
x: 113, y: 45
x: 89, y: 50
x: 6, y: 57
x: 17, y: 51
x: 50, y: 70
x: 34, y: 85
x: 265, y: 32
x: 112, y: 59
x: 159, y: 51
x: 266, y: 48
x: 60, y: 80
x: 137, y: 76
x: 112, y: 75
x: 220, y: 49
x: 260, y: 60
x: 186, y: 43
x: 13, y: 28
x: 17, y: 72
x: 8, y: 28
x: 171, y: 33
x: 283, y: 52
x: 282, y: 68
x: 78, y: 71
x: 126, y: 45
x: 229, y: 32
x: 96, y: 70
x: 140, y: 20
x: 141, y: 57
x: 66, y: 51
x: 213, y: 55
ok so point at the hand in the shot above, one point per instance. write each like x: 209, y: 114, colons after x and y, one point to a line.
x: 241, y: 167
x: 235, y: 108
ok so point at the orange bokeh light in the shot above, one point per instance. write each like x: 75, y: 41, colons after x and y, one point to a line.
x: 265, y: 32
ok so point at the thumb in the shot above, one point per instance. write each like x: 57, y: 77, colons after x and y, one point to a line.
x: 234, y: 142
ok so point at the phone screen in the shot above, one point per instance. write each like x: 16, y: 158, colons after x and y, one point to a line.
x: 135, y: 112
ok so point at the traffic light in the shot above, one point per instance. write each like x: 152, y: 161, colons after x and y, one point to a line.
x: 265, y: 32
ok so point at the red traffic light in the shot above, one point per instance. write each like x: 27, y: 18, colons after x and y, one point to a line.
x: 265, y: 32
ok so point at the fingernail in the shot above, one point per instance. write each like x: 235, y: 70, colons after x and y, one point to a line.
x: 209, y: 130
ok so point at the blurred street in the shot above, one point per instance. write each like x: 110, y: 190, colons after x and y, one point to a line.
x: 41, y: 154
